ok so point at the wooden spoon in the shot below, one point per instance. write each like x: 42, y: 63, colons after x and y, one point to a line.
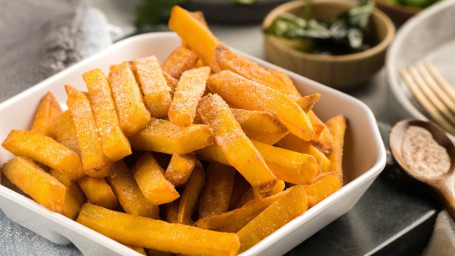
x: 443, y: 184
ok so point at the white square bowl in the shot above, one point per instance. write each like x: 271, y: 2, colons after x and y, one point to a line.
x: 364, y: 155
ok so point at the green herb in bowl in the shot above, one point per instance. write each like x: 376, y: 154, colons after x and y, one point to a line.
x: 347, y: 33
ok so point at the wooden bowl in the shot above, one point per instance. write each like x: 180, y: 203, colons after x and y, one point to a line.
x: 225, y: 11
x: 341, y: 72
x: 398, y: 13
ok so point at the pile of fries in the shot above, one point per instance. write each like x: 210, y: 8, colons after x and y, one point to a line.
x: 206, y: 153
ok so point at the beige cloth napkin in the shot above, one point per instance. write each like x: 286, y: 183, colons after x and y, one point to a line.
x: 442, y: 242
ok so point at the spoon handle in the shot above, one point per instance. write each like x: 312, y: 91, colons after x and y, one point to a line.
x: 447, y: 189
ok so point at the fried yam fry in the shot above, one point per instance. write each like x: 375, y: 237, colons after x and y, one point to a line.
x: 150, y: 177
x: 279, y: 187
x: 35, y: 182
x: 323, y: 186
x: 337, y: 126
x: 286, y: 80
x: 115, y: 144
x: 94, y: 161
x: 157, y: 234
x: 250, y: 95
x: 47, y: 110
x: 44, y: 150
x: 132, y: 113
x: 190, y: 195
x: 189, y: 91
x: 287, y: 165
x: 179, y: 60
x: 171, y: 211
x: 216, y: 195
x: 293, y: 143
x: 179, y: 169
x: 260, y: 125
x: 74, y: 197
x: 234, y: 220
x: 98, y: 192
x: 283, y: 210
x: 307, y: 102
x: 65, y: 132
x: 163, y: 136
x: 236, y: 146
x: 128, y: 193
x: 242, y: 66
x: 196, y: 35
x: 157, y: 93
x: 322, y: 137
x: 247, y: 196
x: 239, y: 188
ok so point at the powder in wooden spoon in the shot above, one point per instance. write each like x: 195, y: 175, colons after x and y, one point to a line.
x: 423, y: 154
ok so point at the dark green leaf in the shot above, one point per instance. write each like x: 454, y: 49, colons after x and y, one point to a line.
x: 347, y: 33
x: 154, y: 12
x: 290, y: 26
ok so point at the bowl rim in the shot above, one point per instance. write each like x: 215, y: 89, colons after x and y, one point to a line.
x: 382, y: 46
x: 393, y: 78
x: 409, y: 10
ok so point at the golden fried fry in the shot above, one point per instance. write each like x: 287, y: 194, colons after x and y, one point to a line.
x: 98, y: 192
x: 260, y: 125
x: 196, y: 35
x: 74, y: 197
x: 163, y: 136
x: 157, y: 234
x: 337, y: 126
x: 237, y: 148
x: 287, y: 165
x: 44, y: 150
x: 171, y: 211
x: 307, y: 102
x: 94, y: 161
x: 171, y: 81
x: 283, y: 210
x: 178, y: 61
x: 286, y: 80
x: 239, y: 188
x: 217, y: 191
x: 48, y: 109
x: 7, y: 183
x: 293, y: 143
x: 65, y: 132
x: 35, y: 182
x: 190, y: 195
x: 242, y: 66
x: 157, y: 93
x: 179, y: 169
x: 128, y: 193
x: 325, y: 185
x: 150, y: 178
x: 279, y: 187
x: 247, y: 196
x: 189, y: 91
x: 115, y: 144
x: 250, y: 95
x: 234, y: 220
x: 132, y: 113
x: 322, y: 138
